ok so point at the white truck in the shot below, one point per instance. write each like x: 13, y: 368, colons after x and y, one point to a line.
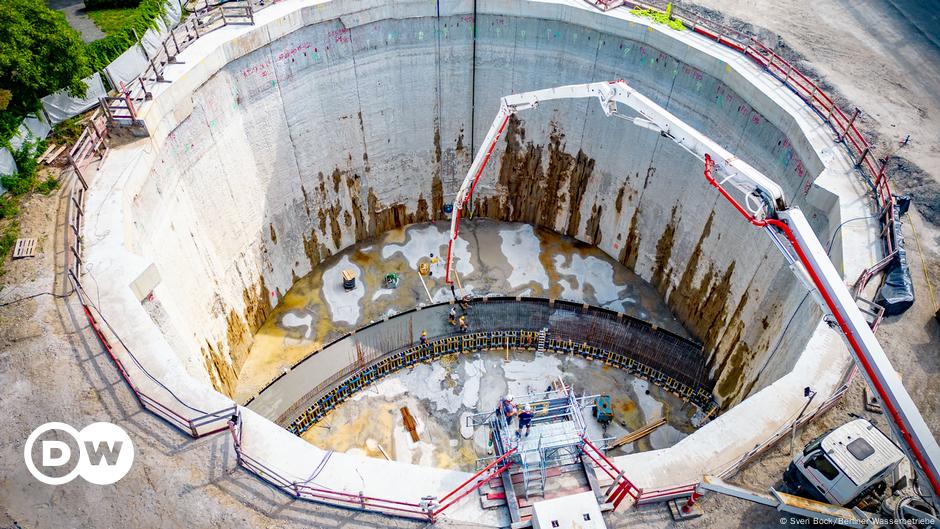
x: 849, y: 466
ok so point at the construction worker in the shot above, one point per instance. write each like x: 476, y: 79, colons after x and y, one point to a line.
x: 525, y: 421
x: 465, y: 303
x: 463, y: 323
x: 424, y: 337
x: 452, y: 317
x: 507, y: 408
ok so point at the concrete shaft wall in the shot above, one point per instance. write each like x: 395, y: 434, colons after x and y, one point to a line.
x: 338, y: 122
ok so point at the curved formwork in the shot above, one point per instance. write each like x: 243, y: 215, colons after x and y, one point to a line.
x: 310, y: 390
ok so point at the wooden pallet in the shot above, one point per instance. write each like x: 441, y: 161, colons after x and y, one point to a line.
x: 24, y: 248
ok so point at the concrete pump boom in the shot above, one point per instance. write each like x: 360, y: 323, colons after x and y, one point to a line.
x: 764, y: 206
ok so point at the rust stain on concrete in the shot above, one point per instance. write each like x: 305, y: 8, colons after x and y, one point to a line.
x: 631, y: 247
x: 661, y: 269
x: 223, y: 361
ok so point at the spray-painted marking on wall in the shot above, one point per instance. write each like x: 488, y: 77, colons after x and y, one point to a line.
x: 290, y: 52
x: 692, y: 72
x: 261, y: 69
x: 341, y: 36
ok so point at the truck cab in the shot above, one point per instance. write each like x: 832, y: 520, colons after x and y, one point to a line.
x: 846, y: 466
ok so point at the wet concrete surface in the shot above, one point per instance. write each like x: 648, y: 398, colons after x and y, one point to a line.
x: 441, y: 395
x: 490, y: 258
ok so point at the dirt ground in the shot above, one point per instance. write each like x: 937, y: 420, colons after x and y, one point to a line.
x: 869, y: 51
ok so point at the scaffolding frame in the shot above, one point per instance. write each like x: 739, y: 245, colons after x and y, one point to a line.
x: 560, y: 432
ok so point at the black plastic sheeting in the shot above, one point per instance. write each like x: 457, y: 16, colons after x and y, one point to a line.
x: 897, y: 293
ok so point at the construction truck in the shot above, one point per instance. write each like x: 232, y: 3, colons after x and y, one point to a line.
x: 857, y: 466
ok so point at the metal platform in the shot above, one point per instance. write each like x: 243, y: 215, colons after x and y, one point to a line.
x: 549, y: 454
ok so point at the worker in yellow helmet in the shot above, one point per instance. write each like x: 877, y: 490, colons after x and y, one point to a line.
x: 424, y: 337
x: 463, y: 323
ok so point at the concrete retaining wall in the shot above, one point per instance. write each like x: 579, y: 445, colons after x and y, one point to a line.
x: 278, y: 144
x: 323, y: 129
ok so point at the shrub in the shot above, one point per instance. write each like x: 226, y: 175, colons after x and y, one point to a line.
x: 68, y: 131
x: 26, y: 158
x: 40, y: 54
x: 7, y: 240
x: 102, y: 51
x: 48, y: 185
x: 660, y: 17
x: 9, y: 206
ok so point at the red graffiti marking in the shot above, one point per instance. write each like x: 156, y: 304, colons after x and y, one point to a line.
x: 290, y: 52
x: 260, y: 69
x: 340, y: 35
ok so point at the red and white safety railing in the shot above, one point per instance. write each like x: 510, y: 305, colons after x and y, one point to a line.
x: 916, y: 438
x: 844, y: 126
x: 621, y: 486
x: 490, y: 471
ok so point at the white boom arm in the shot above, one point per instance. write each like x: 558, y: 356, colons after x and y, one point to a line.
x: 649, y: 115
x: 764, y: 206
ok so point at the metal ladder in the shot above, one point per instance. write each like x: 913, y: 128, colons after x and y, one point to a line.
x: 542, y: 337
x: 533, y: 477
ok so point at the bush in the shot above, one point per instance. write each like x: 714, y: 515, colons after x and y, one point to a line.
x: 660, y: 17
x: 26, y: 158
x: 110, y: 4
x: 103, y: 51
x: 7, y: 240
x: 9, y: 206
x: 48, y: 185
x: 40, y: 54
x: 68, y: 131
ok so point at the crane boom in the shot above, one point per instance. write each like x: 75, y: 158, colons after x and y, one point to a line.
x: 765, y: 206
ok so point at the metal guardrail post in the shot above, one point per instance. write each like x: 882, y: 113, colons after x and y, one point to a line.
x: 861, y: 157
x: 841, y: 136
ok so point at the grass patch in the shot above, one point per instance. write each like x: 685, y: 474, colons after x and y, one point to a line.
x: 134, y: 23
x: 7, y: 240
x: 111, y: 21
x: 660, y: 17
x: 47, y: 186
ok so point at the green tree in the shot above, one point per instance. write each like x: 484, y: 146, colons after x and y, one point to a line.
x: 40, y: 54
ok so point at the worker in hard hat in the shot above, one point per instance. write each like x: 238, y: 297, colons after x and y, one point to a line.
x: 452, y: 317
x: 463, y: 323
x: 507, y: 408
x: 424, y: 337
x: 525, y: 420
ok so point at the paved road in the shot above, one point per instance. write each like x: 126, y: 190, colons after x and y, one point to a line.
x: 74, y: 11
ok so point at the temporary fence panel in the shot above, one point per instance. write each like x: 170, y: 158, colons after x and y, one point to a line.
x: 126, y: 67
x: 60, y: 106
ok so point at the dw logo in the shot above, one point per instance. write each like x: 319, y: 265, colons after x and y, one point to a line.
x: 102, y: 453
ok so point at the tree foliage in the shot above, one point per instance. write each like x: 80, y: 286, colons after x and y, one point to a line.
x: 40, y: 54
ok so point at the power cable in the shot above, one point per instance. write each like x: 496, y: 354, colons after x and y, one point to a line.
x: 800, y: 305
x: 58, y: 296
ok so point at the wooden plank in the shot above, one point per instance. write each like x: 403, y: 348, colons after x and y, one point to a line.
x: 47, y: 151
x: 24, y: 248
x: 635, y: 435
x: 55, y: 154
x: 410, y: 423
